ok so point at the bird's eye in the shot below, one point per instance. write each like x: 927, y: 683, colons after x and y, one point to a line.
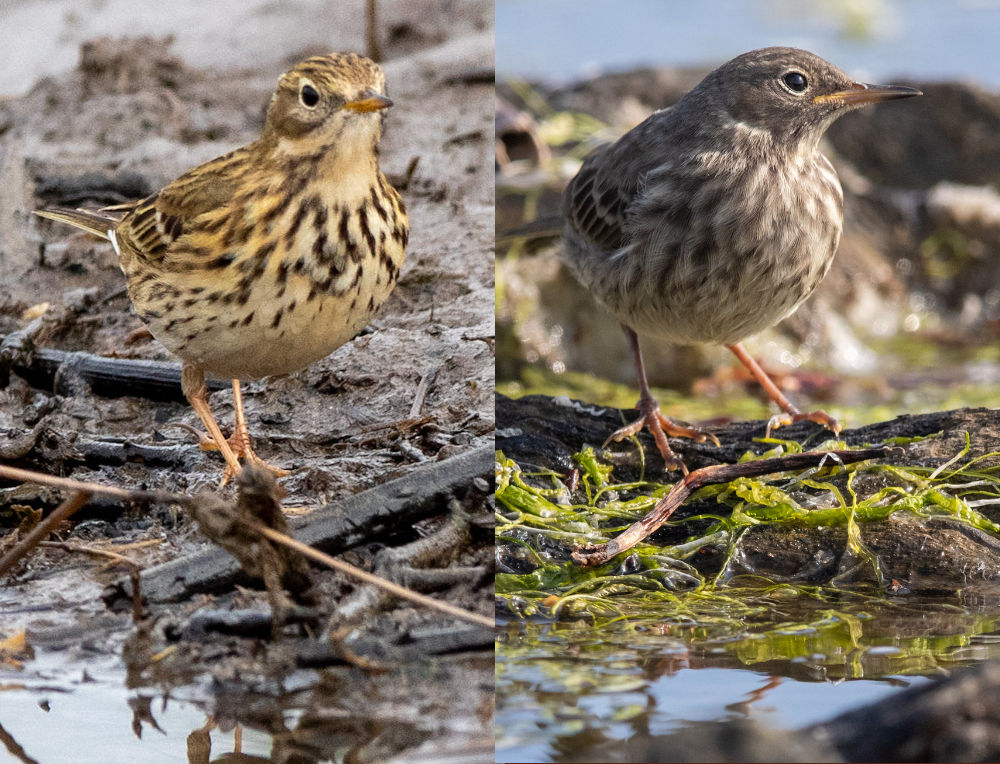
x: 308, y: 96
x: 796, y: 81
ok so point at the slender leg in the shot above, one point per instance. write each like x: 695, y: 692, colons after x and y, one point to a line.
x: 649, y: 416
x: 193, y: 385
x: 239, y: 442
x: 791, y: 413
x: 241, y: 435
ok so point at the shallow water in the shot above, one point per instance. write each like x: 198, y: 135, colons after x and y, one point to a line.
x: 563, y: 687
x: 63, y: 713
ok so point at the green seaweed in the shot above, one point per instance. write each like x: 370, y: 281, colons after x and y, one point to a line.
x: 660, y: 584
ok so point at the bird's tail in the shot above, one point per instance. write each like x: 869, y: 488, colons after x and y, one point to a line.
x: 98, y: 223
x: 548, y: 226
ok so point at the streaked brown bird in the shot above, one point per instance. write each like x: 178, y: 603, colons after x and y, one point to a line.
x: 272, y: 256
x: 714, y: 219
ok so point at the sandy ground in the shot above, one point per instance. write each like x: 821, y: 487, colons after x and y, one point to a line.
x: 135, y: 114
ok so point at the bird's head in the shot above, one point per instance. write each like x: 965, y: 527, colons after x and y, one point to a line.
x: 337, y: 98
x: 791, y: 93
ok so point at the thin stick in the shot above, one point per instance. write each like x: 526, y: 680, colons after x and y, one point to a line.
x: 43, y: 529
x: 14, y: 748
x: 28, y: 476
x: 84, y: 490
x: 389, y: 586
x: 374, y: 51
x: 422, y: 387
x: 597, y: 554
x: 91, y: 550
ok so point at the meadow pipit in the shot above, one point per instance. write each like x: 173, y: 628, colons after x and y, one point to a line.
x: 716, y: 218
x: 269, y: 257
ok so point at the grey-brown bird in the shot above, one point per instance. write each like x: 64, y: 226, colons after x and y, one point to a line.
x: 714, y: 219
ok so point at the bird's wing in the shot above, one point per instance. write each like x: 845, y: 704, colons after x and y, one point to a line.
x: 157, y: 221
x: 600, y: 201
x: 597, y: 199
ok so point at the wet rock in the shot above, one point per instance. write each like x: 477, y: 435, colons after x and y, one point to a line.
x: 953, y: 719
x: 951, y: 133
x: 740, y: 740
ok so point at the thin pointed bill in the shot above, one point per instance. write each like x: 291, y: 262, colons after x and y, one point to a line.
x: 370, y: 101
x: 860, y: 93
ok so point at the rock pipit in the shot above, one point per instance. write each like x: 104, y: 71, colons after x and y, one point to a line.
x: 714, y: 219
x: 270, y: 257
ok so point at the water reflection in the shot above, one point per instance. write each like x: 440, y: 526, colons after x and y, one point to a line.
x: 564, y: 689
x: 340, y: 714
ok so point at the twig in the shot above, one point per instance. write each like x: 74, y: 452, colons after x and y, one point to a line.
x: 43, y: 529
x: 368, y: 578
x: 14, y: 748
x: 374, y: 51
x: 402, y: 182
x: 68, y: 546
x: 357, y: 519
x: 151, y: 497
x: 596, y: 554
x: 422, y: 387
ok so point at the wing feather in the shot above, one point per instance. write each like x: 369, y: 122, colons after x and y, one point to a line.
x: 159, y: 220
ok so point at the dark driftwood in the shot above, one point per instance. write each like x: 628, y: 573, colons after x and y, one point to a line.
x: 596, y: 554
x: 59, y: 370
x: 414, y: 645
x: 402, y: 565
x: 421, y: 493
x: 922, y: 554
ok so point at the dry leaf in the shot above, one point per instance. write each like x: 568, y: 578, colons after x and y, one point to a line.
x: 35, y: 311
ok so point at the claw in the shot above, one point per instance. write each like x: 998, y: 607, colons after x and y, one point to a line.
x: 791, y: 413
x: 651, y: 417
x: 239, y: 442
x: 819, y: 417
x: 660, y: 426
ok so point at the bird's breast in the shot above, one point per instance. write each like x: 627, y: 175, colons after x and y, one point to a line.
x: 718, y: 253
x: 302, y: 283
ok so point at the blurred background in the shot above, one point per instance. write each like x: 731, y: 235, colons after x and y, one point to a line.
x: 908, y: 319
x: 562, y: 40
x: 42, y: 37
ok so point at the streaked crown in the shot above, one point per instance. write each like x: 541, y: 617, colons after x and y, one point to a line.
x: 324, y: 91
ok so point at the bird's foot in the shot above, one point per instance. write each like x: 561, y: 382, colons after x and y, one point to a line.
x: 239, y: 442
x: 787, y: 418
x: 660, y: 426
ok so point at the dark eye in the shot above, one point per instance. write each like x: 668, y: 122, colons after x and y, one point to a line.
x: 796, y: 81
x: 308, y: 96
